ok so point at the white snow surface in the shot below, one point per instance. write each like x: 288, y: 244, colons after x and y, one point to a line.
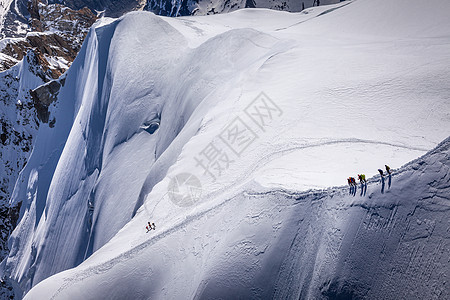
x: 391, y: 242
x: 350, y: 87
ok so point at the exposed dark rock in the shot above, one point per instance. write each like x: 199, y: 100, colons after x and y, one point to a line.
x: 112, y: 8
x: 42, y: 97
x: 13, y: 215
x: 69, y: 29
x: 52, y: 123
x: 250, y: 4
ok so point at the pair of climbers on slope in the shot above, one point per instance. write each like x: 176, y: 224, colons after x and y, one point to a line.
x: 353, y: 185
x: 362, y: 177
x: 150, y: 226
x: 352, y: 182
x: 388, y: 170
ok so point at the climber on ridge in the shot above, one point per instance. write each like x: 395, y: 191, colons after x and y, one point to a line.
x: 352, y: 185
x: 362, y: 178
x: 151, y: 226
x: 388, y: 169
x: 351, y: 181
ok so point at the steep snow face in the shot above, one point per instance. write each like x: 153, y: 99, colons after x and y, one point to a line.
x: 296, y: 102
x: 18, y: 124
x: 18, y: 127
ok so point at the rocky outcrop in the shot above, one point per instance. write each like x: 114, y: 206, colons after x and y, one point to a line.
x: 56, y: 35
x: 110, y: 8
x: 43, y: 96
x: 209, y: 7
x: 8, y: 220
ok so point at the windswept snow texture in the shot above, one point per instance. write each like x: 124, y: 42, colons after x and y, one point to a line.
x: 319, y: 96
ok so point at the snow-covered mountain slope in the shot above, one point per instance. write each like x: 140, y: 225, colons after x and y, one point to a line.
x: 273, y: 243
x: 300, y: 101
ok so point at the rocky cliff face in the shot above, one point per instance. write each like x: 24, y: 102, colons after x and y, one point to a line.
x: 55, y: 35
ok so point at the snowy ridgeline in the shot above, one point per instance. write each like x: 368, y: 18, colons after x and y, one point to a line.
x: 315, y: 97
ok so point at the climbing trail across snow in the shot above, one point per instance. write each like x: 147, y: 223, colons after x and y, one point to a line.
x: 333, y: 199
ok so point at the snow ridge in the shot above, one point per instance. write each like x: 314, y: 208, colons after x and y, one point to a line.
x: 336, y: 234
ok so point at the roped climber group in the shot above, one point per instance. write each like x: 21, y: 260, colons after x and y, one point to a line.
x: 352, y: 182
x: 362, y: 177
